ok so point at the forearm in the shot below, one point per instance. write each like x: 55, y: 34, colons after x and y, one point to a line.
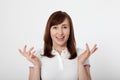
x: 82, y: 72
x: 35, y: 73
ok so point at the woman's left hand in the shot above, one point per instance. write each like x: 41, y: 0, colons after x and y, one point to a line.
x: 86, y: 54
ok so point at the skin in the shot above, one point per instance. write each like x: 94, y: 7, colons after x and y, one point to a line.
x: 84, y: 71
x: 29, y: 55
x: 59, y: 34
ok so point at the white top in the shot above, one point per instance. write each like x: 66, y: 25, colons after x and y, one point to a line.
x: 59, y: 67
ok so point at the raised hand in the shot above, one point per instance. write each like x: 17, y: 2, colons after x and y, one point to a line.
x: 86, y: 54
x: 29, y: 55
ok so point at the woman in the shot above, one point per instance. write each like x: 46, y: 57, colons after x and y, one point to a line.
x: 60, y: 59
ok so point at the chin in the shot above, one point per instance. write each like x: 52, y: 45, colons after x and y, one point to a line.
x: 61, y: 43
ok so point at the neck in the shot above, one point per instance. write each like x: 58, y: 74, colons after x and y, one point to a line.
x: 59, y: 48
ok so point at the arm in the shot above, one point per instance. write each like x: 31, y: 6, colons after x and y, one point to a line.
x: 34, y: 73
x: 84, y: 72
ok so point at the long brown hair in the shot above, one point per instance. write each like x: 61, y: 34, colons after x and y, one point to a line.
x: 57, y: 18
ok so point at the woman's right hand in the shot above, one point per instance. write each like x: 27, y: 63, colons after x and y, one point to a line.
x: 29, y: 55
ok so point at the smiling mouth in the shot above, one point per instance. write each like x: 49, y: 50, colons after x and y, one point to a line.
x: 60, y: 38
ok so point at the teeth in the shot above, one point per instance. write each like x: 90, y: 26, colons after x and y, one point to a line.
x: 60, y: 37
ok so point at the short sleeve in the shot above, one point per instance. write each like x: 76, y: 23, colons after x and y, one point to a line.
x: 38, y: 54
x: 79, y: 52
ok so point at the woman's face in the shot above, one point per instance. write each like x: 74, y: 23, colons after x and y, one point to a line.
x: 60, y: 33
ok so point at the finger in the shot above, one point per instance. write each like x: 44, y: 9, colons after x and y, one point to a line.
x: 31, y: 49
x: 94, y: 48
x: 32, y: 56
x: 33, y: 52
x: 29, y: 52
x: 25, y: 48
x: 20, y: 51
x: 87, y: 47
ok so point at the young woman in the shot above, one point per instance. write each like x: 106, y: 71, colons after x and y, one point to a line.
x: 60, y: 59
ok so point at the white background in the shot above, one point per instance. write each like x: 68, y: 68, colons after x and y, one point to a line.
x: 95, y: 21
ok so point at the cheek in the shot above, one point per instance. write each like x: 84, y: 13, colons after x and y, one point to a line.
x: 67, y: 34
x: 52, y: 33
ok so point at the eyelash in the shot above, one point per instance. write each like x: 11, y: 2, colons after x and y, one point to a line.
x: 65, y: 27
x: 54, y: 27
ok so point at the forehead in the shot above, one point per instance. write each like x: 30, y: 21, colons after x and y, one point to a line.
x: 66, y: 21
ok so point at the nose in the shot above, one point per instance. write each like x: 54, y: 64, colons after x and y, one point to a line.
x: 60, y: 31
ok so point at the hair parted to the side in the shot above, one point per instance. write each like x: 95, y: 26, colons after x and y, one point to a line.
x: 57, y: 18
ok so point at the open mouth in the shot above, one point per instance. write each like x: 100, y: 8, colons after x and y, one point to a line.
x: 60, y: 38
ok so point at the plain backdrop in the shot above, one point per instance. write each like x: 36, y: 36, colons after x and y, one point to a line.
x: 95, y: 22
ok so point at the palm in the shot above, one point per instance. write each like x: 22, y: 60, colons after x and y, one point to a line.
x: 86, y: 54
x: 29, y: 55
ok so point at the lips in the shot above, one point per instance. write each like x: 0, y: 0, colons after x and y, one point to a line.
x: 60, y: 38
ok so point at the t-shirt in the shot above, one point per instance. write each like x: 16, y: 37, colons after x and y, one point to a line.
x: 59, y: 67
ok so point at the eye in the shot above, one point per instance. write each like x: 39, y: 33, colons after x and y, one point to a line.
x: 54, y: 27
x: 65, y: 27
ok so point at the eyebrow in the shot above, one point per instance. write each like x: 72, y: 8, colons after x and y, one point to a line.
x: 65, y: 24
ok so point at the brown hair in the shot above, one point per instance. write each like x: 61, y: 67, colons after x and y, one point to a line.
x: 57, y: 18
